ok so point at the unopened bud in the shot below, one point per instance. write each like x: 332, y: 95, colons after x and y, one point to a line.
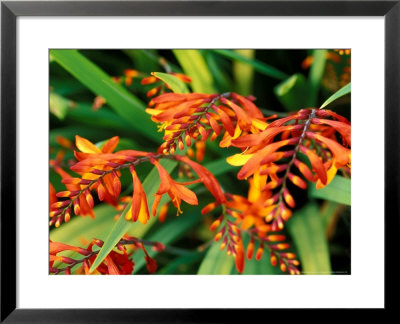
x: 273, y: 259
x: 259, y: 253
x: 218, y: 236
x: 215, y: 225
x: 283, y: 266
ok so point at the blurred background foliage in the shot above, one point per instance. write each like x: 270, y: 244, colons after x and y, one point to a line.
x: 90, y: 97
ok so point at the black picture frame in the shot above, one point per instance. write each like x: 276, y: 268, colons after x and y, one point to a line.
x: 10, y: 10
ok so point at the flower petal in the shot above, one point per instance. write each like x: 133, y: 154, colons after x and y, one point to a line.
x: 239, y: 159
x: 344, y: 129
x: 340, y: 153
x: 206, y: 177
x: 186, y: 194
x: 110, y: 145
x: 85, y: 145
x: 316, y: 162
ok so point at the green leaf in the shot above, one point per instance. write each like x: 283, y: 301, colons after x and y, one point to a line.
x: 259, y: 66
x: 222, y: 80
x: 121, y: 100
x: 122, y: 226
x: 194, y: 66
x: 181, y: 262
x: 176, y: 85
x: 216, y: 261
x: 65, y: 87
x: 307, y: 228
x: 59, y: 105
x: 331, y: 212
x: 105, y: 119
x: 143, y: 60
x: 339, y: 190
x: 243, y: 72
x: 340, y: 93
x: 79, y: 227
x: 316, y: 74
x: 292, y: 93
x: 170, y: 232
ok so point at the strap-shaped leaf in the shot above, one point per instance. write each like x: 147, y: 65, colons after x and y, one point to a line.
x: 58, y: 105
x: 123, y: 102
x: 339, y: 190
x: 176, y: 85
x: 221, y: 78
x: 180, y: 262
x: 307, y: 228
x: 340, y: 93
x: 195, y: 67
x: 244, y: 73
x: 259, y: 66
x: 293, y: 92
x: 104, y: 118
x: 316, y: 73
x: 216, y: 261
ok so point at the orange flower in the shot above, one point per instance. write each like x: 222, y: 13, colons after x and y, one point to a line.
x: 83, y: 207
x: 250, y: 215
x: 89, y: 151
x: 206, y: 177
x: 251, y: 211
x: 139, y: 209
x: 115, y: 263
x: 64, y: 142
x: 188, y: 116
x: 57, y: 247
x: 274, y: 151
x: 129, y: 75
x: 239, y: 257
x: 176, y: 191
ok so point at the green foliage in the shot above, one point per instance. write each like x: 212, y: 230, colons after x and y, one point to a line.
x: 244, y: 72
x: 339, y: 190
x: 316, y: 74
x: 257, y: 65
x: 216, y: 262
x: 293, y: 92
x: 195, y: 66
x: 124, y: 103
x: 308, y: 232
x: 59, y: 105
x: 340, y: 93
x: 173, y: 82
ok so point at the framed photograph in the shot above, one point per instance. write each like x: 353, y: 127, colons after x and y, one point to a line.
x: 163, y: 159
